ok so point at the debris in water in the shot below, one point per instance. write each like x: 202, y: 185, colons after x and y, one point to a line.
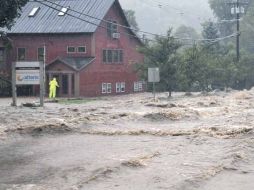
x: 140, y: 162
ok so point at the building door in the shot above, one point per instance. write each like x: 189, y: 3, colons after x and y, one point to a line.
x: 65, y: 81
x: 64, y: 84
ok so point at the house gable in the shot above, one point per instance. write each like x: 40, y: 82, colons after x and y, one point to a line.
x: 69, y: 63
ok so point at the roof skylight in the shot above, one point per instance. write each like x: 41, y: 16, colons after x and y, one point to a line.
x: 63, y: 11
x: 34, y: 11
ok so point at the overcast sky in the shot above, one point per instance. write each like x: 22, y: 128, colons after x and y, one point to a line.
x: 158, y: 15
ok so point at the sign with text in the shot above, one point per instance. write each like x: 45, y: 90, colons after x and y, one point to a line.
x: 153, y: 75
x: 27, y: 73
x: 27, y: 77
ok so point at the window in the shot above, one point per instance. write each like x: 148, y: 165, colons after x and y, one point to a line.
x: 21, y: 54
x: 63, y: 11
x: 110, y: 60
x: 71, y: 49
x: 111, y: 27
x: 34, y: 11
x: 120, y: 87
x: 109, y: 88
x: 40, y: 54
x: 1, y: 56
x: 112, y: 56
x: 115, y: 56
x: 138, y: 86
x: 82, y: 49
x: 106, y: 88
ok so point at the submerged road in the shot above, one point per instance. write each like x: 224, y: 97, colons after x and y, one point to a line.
x: 130, y: 142
x: 95, y: 162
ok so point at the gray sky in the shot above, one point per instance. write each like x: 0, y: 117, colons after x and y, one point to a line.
x: 157, y: 16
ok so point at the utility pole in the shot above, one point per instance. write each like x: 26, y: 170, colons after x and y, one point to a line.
x: 237, y: 9
x: 238, y: 31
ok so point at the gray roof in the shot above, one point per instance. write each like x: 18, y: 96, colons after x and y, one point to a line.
x: 76, y: 63
x: 48, y: 21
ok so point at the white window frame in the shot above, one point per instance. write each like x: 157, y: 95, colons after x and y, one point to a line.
x: 118, y: 87
x: 81, y: 47
x: 122, y: 86
x: 138, y: 86
x: 109, y: 88
x: 106, y: 88
x: 120, y: 55
x: 69, y: 52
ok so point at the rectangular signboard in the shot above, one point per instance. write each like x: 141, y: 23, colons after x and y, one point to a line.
x: 27, y: 77
x: 24, y: 64
x: 153, y: 75
x: 28, y: 73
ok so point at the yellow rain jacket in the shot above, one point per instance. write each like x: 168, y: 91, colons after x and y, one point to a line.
x: 52, y: 88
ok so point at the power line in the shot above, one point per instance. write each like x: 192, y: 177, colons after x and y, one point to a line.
x: 79, y: 17
x: 181, y: 11
x: 106, y: 21
x: 127, y: 27
x: 228, y: 21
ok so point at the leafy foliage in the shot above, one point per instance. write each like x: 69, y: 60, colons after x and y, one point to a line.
x: 202, y: 67
x: 162, y: 54
x: 9, y: 10
x: 130, y: 15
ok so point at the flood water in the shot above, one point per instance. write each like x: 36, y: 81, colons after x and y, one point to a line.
x: 183, y: 143
x: 78, y: 161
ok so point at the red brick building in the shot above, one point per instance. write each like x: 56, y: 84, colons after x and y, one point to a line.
x: 83, y: 44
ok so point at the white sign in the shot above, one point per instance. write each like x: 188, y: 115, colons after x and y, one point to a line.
x: 153, y: 75
x: 27, y: 73
x: 24, y: 64
x: 237, y: 10
x: 27, y: 77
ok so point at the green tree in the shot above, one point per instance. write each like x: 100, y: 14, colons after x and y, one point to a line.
x: 130, y: 15
x: 188, y: 69
x: 186, y: 32
x: 222, y: 10
x: 162, y: 54
x: 247, y: 34
x: 9, y: 10
x: 210, y: 32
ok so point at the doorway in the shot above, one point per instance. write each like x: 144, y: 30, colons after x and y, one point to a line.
x: 65, y: 81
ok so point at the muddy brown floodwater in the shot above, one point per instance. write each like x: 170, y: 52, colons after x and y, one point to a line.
x: 130, y: 142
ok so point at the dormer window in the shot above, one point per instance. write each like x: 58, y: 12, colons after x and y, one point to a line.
x: 63, y: 11
x: 34, y: 11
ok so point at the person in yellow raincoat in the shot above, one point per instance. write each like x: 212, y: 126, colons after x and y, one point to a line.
x: 52, y: 88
